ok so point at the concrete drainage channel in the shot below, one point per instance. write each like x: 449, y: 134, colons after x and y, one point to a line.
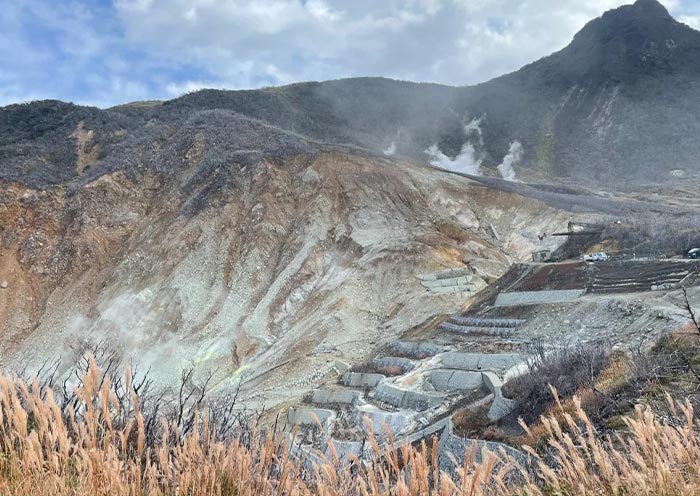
x: 430, y: 381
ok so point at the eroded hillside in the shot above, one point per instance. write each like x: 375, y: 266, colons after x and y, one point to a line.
x: 264, y: 273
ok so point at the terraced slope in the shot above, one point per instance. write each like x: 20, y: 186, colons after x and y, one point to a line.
x: 629, y: 277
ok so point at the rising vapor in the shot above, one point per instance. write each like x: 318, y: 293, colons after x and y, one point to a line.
x: 469, y: 159
x: 515, y: 154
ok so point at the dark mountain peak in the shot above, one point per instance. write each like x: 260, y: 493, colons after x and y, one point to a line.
x: 634, y: 25
x: 624, y: 45
x: 650, y: 8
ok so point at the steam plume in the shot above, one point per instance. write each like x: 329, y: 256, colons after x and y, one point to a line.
x: 469, y: 159
x: 474, y: 128
x: 515, y: 154
x: 466, y: 162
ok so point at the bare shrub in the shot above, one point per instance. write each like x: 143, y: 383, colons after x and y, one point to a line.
x: 179, y: 406
x: 670, y: 368
x: 468, y: 421
x: 566, y: 369
x: 656, y: 234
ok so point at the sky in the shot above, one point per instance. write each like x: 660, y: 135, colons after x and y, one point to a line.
x: 106, y: 52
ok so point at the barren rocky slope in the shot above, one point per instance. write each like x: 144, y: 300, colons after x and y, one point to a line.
x: 278, y: 267
x: 264, y: 234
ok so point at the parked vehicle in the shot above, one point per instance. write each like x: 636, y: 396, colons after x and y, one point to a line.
x: 596, y: 257
x: 694, y: 253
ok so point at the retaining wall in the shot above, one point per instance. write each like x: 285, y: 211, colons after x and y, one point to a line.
x: 446, y: 274
x: 402, y: 398
x: 463, y: 288
x: 415, y: 348
x: 517, y: 298
x: 341, y: 366
x: 405, y: 364
x: 422, y: 433
x: 310, y: 416
x: 480, y: 361
x: 309, y: 455
x: 484, y: 322
x: 457, y: 446
x: 492, y: 382
x: 500, y: 406
x: 335, y: 396
x: 361, y: 379
x: 454, y: 380
x: 344, y: 449
x: 473, y: 330
x: 395, y: 421
x: 453, y: 281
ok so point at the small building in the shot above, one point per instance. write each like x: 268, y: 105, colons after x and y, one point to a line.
x: 541, y: 256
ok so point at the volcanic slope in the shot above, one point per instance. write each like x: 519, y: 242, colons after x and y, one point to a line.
x: 617, y: 107
x: 265, y: 273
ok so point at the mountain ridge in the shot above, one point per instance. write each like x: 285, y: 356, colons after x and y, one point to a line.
x: 620, y: 103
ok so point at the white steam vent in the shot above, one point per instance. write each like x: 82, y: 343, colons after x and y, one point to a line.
x: 469, y: 159
x: 474, y: 129
x: 515, y: 154
x: 466, y: 162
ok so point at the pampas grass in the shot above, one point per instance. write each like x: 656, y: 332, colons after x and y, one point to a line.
x: 86, y: 452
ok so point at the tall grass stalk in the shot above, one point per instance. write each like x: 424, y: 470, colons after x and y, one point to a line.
x: 86, y: 452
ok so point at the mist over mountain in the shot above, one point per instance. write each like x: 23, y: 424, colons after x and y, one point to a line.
x: 620, y: 103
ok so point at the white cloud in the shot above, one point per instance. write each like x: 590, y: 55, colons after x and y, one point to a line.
x: 692, y: 21
x: 162, y: 48
x: 450, y: 41
x: 320, y: 10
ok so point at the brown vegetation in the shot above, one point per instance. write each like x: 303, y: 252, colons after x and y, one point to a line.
x: 566, y: 369
x: 390, y: 371
x: 100, y: 445
x: 469, y: 421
